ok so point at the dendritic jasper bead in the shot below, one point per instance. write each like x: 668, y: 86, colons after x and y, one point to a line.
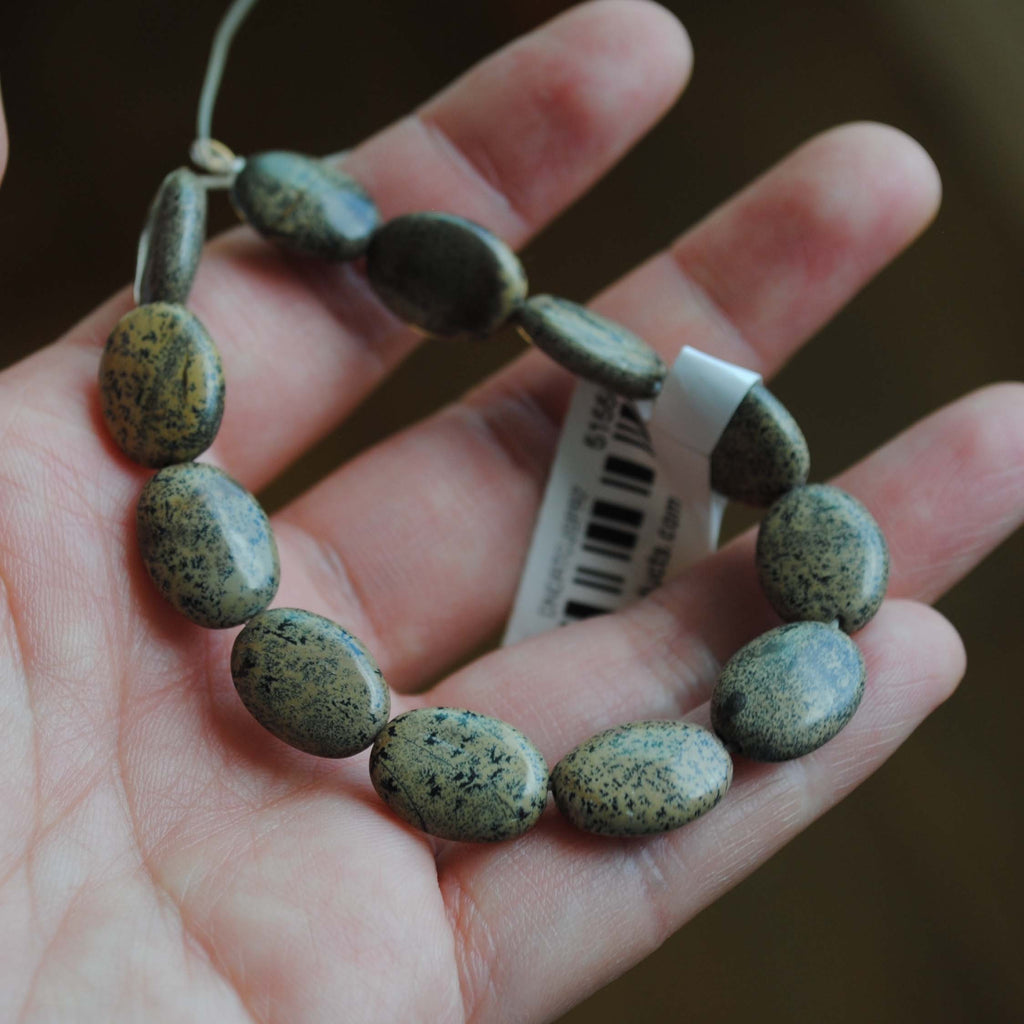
x: 305, y: 204
x: 207, y: 545
x: 642, y: 778
x: 161, y: 385
x: 762, y: 453
x: 591, y: 346
x: 445, y: 275
x: 788, y: 692
x: 173, y: 239
x: 459, y: 775
x: 821, y: 556
x: 310, y: 682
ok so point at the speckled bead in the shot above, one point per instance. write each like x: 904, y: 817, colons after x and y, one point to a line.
x: 310, y: 682
x: 591, y: 346
x: 821, y: 556
x: 207, y: 545
x: 445, y: 275
x: 161, y: 385
x: 459, y: 775
x: 305, y: 204
x: 173, y: 239
x: 642, y: 778
x: 788, y: 692
x: 761, y: 454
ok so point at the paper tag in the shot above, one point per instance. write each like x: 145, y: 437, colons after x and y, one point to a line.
x: 616, y: 522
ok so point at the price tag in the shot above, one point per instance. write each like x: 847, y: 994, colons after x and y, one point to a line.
x: 628, y: 503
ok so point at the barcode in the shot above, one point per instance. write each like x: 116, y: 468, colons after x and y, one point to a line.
x: 629, y: 430
x: 614, y: 520
x: 613, y: 526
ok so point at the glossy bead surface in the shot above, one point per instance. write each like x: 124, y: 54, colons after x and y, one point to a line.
x: 305, y: 204
x: 459, y: 775
x: 161, y: 385
x: 821, y: 556
x: 445, y: 275
x: 173, y: 239
x: 788, y: 692
x: 207, y: 545
x: 642, y: 778
x: 762, y: 453
x: 310, y: 682
x: 591, y: 346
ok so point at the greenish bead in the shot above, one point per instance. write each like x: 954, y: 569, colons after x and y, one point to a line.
x: 173, y: 239
x: 642, y: 778
x: 445, y: 275
x: 821, y: 556
x: 310, y: 682
x: 788, y: 692
x: 305, y: 204
x: 459, y: 775
x: 207, y: 545
x: 591, y: 346
x: 161, y: 385
x: 762, y: 453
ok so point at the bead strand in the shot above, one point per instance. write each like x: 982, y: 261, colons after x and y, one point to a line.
x: 209, y: 548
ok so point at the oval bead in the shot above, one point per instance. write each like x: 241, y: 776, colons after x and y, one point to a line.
x: 591, y: 346
x: 305, y: 204
x: 788, y: 692
x: 459, y: 775
x: 207, y: 545
x: 762, y: 453
x: 310, y: 682
x: 445, y: 275
x: 642, y: 778
x: 161, y: 385
x: 172, y: 240
x: 821, y: 556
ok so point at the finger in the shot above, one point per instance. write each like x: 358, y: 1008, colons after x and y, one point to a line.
x: 610, y: 902
x: 508, y: 145
x: 660, y: 657
x: 471, y: 477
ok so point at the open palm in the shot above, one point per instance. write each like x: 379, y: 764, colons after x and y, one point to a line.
x: 163, y: 858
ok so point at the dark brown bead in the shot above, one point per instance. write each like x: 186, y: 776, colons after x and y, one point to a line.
x: 821, y: 556
x: 173, y: 239
x: 591, y: 346
x: 761, y: 454
x: 305, y: 204
x: 445, y: 275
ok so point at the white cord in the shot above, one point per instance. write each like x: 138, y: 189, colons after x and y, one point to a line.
x: 206, y: 151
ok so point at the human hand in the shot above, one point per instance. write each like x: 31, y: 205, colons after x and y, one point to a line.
x: 163, y: 858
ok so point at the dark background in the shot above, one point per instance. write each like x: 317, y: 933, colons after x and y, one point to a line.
x: 904, y: 904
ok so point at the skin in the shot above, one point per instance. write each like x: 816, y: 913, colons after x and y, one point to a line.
x: 163, y: 859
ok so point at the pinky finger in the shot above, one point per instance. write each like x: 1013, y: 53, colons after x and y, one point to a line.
x: 613, y: 902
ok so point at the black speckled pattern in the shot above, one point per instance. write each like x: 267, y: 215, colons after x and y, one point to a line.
x: 591, y: 346
x: 445, y: 275
x: 175, y: 231
x: 821, y: 556
x: 788, y: 692
x: 310, y: 682
x: 642, y: 778
x: 207, y: 545
x: 459, y: 775
x: 161, y: 385
x: 305, y: 204
x: 761, y: 454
